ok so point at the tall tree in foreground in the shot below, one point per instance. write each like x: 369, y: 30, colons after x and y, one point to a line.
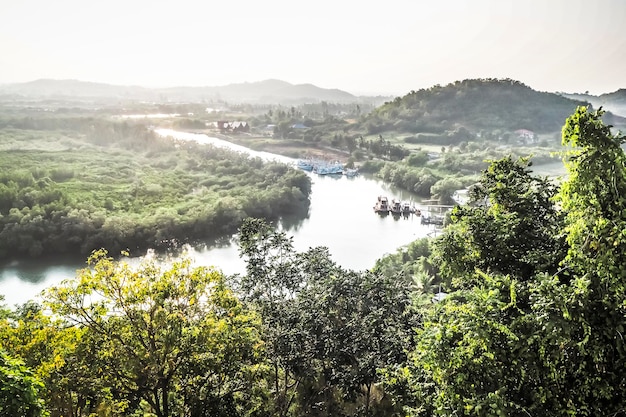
x: 328, y: 331
x: 472, y: 357
x: 163, y: 334
x: 536, y: 324
x: 583, y: 309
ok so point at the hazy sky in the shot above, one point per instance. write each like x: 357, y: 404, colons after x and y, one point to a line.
x: 364, y: 47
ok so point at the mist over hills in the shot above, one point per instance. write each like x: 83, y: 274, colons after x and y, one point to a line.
x: 614, y: 102
x: 264, y: 92
x: 475, y: 104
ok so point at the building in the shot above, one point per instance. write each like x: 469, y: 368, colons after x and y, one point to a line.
x: 236, y: 126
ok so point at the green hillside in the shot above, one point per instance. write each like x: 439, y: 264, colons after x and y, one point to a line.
x: 478, y: 104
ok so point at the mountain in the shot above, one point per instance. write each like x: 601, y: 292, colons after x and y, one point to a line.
x: 47, y: 88
x: 475, y: 105
x: 263, y: 92
x: 614, y: 102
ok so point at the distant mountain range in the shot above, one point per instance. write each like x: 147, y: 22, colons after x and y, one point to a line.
x: 264, y: 92
x: 475, y: 104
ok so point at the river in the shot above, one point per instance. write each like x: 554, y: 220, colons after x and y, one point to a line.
x: 340, y: 217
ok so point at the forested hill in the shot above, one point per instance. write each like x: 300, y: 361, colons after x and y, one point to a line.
x: 475, y: 104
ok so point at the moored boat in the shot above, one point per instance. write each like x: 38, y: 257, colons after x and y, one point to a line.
x: 436, y: 220
x: 407, y: 209
x: 351, y: 172
x: 305, y: 164
x: 396, y: 207
x: 382, y: 205
x: 334, y: 168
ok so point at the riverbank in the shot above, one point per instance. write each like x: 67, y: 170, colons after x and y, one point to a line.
x: 292, y: 148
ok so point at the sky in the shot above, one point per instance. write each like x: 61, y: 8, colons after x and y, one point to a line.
x: 363, y: 47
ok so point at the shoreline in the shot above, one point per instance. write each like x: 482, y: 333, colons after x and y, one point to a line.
x: 286, y: 147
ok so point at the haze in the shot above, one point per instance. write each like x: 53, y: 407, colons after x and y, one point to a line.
x: 384, y: 47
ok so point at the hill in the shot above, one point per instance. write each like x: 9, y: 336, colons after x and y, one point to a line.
x: 614, y: 102
x: 475, y: 105
x: 265, y: 92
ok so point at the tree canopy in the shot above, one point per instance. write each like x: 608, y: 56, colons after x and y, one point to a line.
x: 177, y: 339
x: 71, y: 185
x: 529, y: 321
x: 534, y: 319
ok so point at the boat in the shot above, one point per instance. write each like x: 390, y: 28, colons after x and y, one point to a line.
x: 407, y: 209
x: 396, y: 207
x: 351, y: 172
x: 334, y: 168
x: 305, y: 164
x: 434, y: 220
x: 382, y: 205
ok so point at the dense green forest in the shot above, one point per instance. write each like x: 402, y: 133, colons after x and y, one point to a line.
x: 72, y: 184
x: 516, y: 309
x: 474, y: 104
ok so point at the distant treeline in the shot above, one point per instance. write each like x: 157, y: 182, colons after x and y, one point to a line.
x: 70, y: 185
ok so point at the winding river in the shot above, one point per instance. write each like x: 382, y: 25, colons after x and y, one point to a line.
x: 340, y: 217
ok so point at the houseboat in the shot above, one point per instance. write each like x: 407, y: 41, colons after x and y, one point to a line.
x: 396, y: 207
x: 382, y: 205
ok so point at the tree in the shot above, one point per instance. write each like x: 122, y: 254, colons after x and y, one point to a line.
x: 418, y: 159
x: 584, y: 304
x: 19, y: 389
x: 328, y: 330
x: 511, y: 225
x: 53, y: 351
x: 162, y: 333
x: 444, y: 188
x: 271, y: 283
x: 476, y: 351
x: 535, y: 324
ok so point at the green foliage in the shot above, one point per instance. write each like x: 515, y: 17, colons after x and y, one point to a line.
x: 416, y: 180
x: 383, y: 148
x: 472, y: 104
x: 327, y: 330
x: 120, y: 186
x: 445, y: 188
x: 19, y: 389
x: 589, y: 307
x: 177, y: 339
x: 418, y: 159
x: 55, y: 352
x: 512, y: 227
x: 534, y: 321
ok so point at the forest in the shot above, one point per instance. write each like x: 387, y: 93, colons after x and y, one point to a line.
x: 516, y: 309
x: 72, y: 183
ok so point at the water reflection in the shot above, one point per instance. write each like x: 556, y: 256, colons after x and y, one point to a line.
x: 292, y: 222
x: 25, y: 280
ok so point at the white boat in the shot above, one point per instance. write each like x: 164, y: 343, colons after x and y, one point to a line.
x: 396, y: 207
x: 382, y: 205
